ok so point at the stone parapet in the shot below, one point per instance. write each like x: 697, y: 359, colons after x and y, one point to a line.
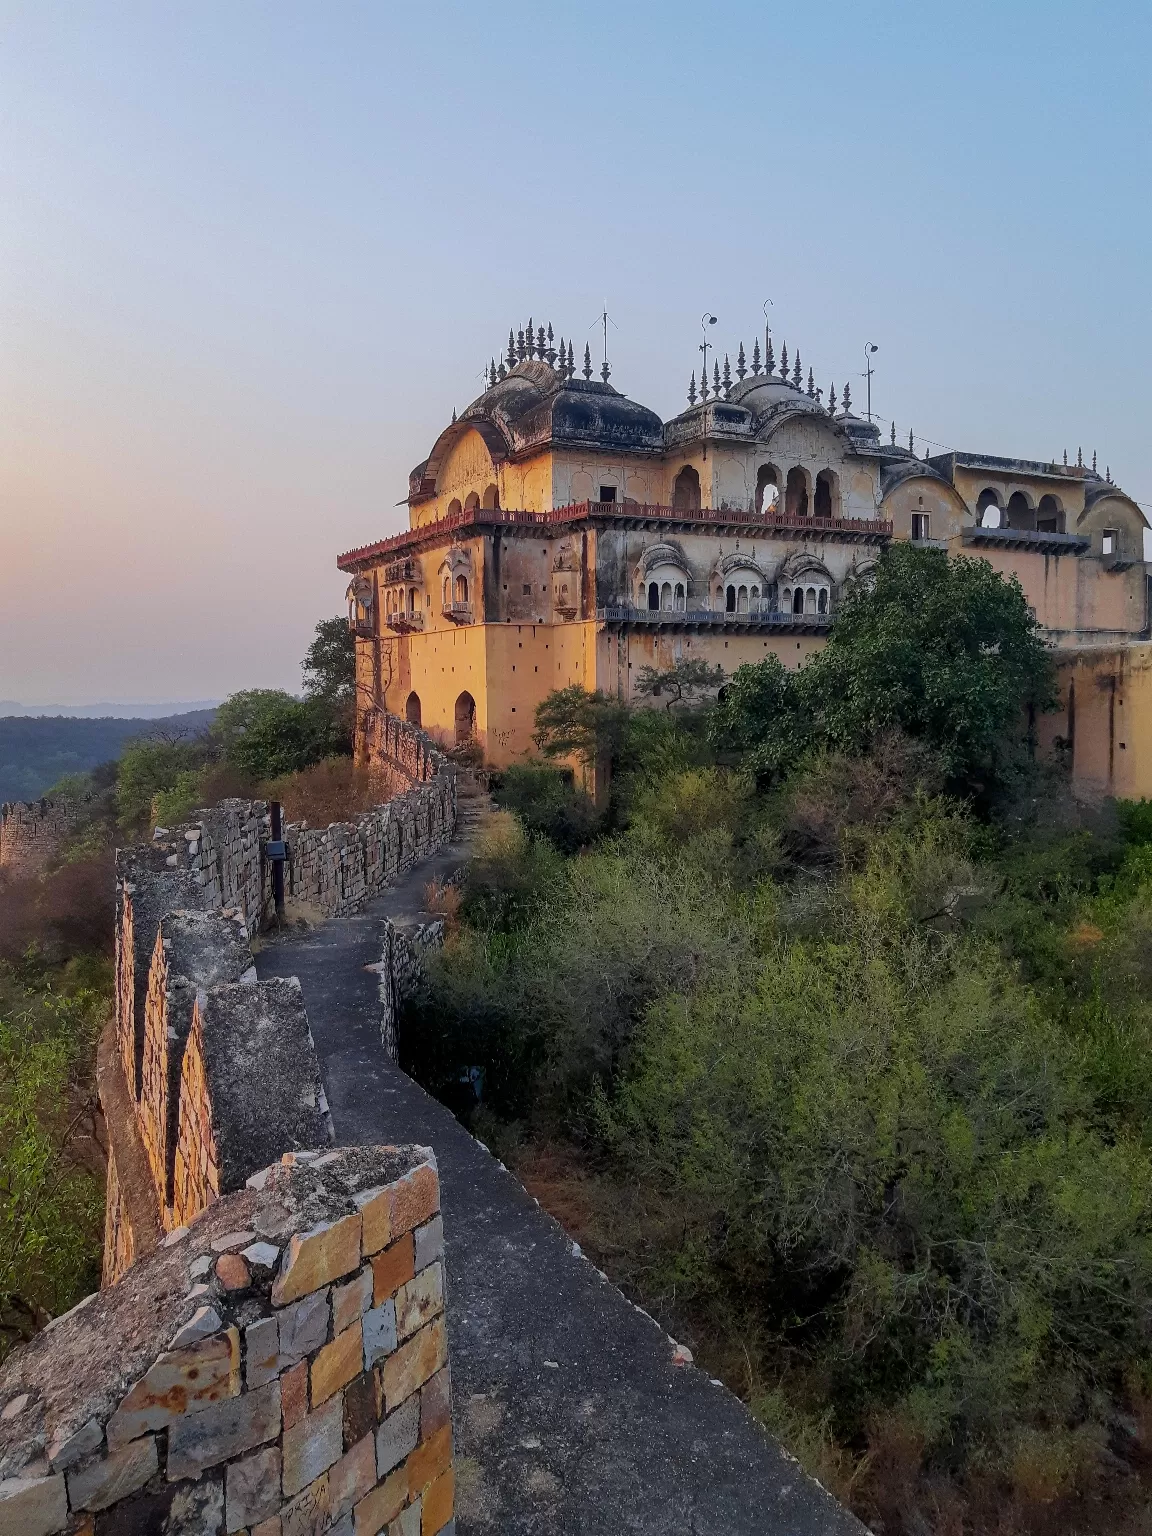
x: 279, y: 1366
x: 33, y: 832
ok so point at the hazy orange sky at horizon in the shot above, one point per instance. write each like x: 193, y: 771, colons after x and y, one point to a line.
x: 253, y: 256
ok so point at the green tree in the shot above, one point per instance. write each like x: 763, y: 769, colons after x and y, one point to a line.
x: 329, y: 664
x: 571, y: 722
x: 761, y: 715
x: 287, y: 737
x: 240, y: 712
x: 148, y: 768
x: 689, y: 682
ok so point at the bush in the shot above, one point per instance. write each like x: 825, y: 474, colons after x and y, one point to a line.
x: 334, y: 789
x: 286, y: 737
x: 548, y: 803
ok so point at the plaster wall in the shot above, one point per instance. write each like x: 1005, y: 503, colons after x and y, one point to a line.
x: 1114, y: 512
x: 1106, y: 714
x: 1068, y: 490
x: 1074, y: 597
x: 946, y: 511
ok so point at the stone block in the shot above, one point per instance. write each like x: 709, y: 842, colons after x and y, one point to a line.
x: 352, y: 1478
x: 344, y: 1527
x: 392, y: 1268
x: 382, y: 1505
x: 379, y: 1328
x: 429, y: 1243
x: 294, y: 1394
x: 337, y: 1363
x: 430, y: 1459
x: 261, y: 1352
x: 312, y: 1445
x: 359, y: 1409
x: 252, y: 1489
x: 419, y: 1301
x: 415, y: 1199
x: 176, y: 1509
x: 435, y: 1403
x: 316, y: 1258
x: 351, y: 1301
x: 376, y: 1210
x: 182, y: 1381
x: 271, y: 1527
x: 414, y: 1362
x: 232, y: 1272
x: 437, y: 1505
x: 113, y: 1477
x: 303, y: 1328
x: 398, y: 1436
x: 307, y: 1513
x: 228, y: 1429
x: 32, y: 1506
x: 408, y: 1524
x: 68, y: 1448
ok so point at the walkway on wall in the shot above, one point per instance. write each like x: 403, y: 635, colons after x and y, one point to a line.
x: 570, y: 1417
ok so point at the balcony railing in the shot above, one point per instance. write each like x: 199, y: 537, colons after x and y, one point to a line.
x: 404, y: 622
x: 764, y: 618
x: 459, y: 613
x: 1029, y: 538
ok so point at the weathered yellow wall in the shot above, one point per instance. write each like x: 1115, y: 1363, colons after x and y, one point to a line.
x: 1106, y: 711
x: 1074, y: 595
x: 1068, y: 488
x: 923, y: 493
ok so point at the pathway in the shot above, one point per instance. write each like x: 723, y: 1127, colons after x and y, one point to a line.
x: 570, y: 1417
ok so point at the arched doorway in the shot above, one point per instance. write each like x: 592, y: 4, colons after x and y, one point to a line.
x: 989, y: 513
x: 412, y: 709
x: 796, y: 493
x: 465, y: 718
x: 1049, y: 517
x: 826, y: 499
x: 686, y: 490
x: 767, y: 489
x: 491, y: 499
x: 1020, y: 514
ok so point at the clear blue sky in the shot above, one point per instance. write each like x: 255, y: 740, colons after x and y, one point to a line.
x: 253, y: 254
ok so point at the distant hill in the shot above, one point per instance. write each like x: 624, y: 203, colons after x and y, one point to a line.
x: 107, y: 710
x: 35, y: 751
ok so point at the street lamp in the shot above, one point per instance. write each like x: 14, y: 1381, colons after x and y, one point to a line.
x: 706, y: 319
x: 869, y: 348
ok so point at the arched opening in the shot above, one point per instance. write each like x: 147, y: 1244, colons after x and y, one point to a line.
x: 754, y: 599
x: 719, y: 599
x: 465, y: 718
x: 730, y: 600
x: 447, y: 591
x: 1049, y: 515
x: 454, y: 506
x: 654, y: 595
x: 798, y: 600
x: 826, y: 501
x: 742, y: 600
x: 1020, y: 514
x: 822, y: 604
x: 412, y: 709
x: 679, y: 597
x: 767, y: 489
x: 472, y: 502
x: 810, y: 600
x: 666, y: 596
x: 988, y: 509
x: 686, y: 490
x: 461, y: 589
x: 796, y: 493
x: 491, y: 499
x: 413, y: 600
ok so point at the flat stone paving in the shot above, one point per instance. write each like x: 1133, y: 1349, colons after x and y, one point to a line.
x: 570, y: 1417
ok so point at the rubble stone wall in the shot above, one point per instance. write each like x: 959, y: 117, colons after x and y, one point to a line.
x: 280, y: 1367
x: 32, y: 832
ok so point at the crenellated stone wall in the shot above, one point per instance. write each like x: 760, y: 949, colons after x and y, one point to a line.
x: 279, y: 1367
x: 33, y: 832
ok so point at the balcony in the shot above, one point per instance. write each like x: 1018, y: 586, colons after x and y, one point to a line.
x: 714, y: 619
x: 361, y: 626
x: 1028, y: 538
x: 405, y: 623
x: 459, y: 613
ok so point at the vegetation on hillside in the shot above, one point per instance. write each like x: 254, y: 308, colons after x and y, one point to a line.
x: 829, y: 1036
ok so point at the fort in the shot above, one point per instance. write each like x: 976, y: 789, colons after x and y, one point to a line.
x: 33, y: 832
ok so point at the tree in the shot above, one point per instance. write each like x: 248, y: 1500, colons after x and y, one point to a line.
x: 571, y: 722
x: 240, y: 712
x: 329, y: 664
x: 287, y: 737
x: 761, y: 716
x: 147, y: 768
x: 688, y: 682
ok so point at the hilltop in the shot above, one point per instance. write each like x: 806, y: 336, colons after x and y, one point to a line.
x: 37, y: 751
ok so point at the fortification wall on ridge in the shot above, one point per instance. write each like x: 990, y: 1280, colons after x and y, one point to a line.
x: 33, y: 832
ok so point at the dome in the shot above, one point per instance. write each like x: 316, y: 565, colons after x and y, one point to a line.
x: 536, y: 406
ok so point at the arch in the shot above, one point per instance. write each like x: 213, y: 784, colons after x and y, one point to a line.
x: 1050, y: 514
x: 465, y: 718
x: 796, y: 492
x: 454, y: 506
x: 472, y: 502
x: 653, y: 595
x: 810, y: 600
x: 413, y: 599
x: 822, y: 604
x: 1021, y: 513
x: 491, y: 502
x: 679, y: 596
x: 447, y: 591
x: 461, y: 591
x: 412, y: 709
x: 767, y: 489
x: 826, y: 501
x: 985, y: 502
x: 741, y: 599
x: 666, y: 596
x: 686, y: 490
x: 730, y: 599
x: 798, y: 600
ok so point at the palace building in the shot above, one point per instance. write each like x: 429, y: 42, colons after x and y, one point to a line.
x: 561, y: 534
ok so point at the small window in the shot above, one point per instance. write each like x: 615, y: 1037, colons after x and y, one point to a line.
x: 1110, y: 542
x: 607, y: 493
x: 919, y: 525
x: 527, y: 589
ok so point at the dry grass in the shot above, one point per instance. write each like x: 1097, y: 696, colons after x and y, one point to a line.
x: 334, y: 790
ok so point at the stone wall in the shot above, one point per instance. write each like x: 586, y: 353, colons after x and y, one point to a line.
x: 278, y: 1368
x: 32, y: 832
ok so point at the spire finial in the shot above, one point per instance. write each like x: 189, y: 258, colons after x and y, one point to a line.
x: 511, y: 350
x: 540, y: 342
x: 784, y: 362
x: 1065, y: 458
x: 769, y: 359
x: 741, y: 366
x: 528, y: 334
x: 1093, y: 461
x: 893, y: 434
x: 797, y: 375
x: 811, y: 386
x: 605, y: 371
x: 520, y: 346
x: 692, y: 389
x: 1079, y: 458
x: 503, y: 369
x: 756, y: 358
x: 703, y: 385
x: 453, y: 415
x: 1108, y: 474
x: 727, y: 379
x: 587, y: 361
x: 847, y: 407
x: 715, y: 380
x: 911, y: 443
x: 832, y: 401
x: 550, y: 353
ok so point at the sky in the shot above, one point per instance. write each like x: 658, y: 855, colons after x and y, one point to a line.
x: 253, y: 254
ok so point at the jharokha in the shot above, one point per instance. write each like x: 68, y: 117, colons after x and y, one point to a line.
x: 563, y: 534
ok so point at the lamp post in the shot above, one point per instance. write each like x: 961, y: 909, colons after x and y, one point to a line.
x: 706, y: 319
x: 767, y: 328
x: 869, y: 348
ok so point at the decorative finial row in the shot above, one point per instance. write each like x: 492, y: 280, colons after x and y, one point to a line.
x: 534, y: 341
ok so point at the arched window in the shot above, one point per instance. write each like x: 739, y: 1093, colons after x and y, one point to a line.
x: 453, y: 507
x: 465, y: 718
x: 472, y: 502
x: 826, y: 501
x: 730, y: 600
x: 461, y: 589
x: 412, y: 709
x: 796, y: 493
x: 810, y: 600
x: 754, y: 599
x: 686, y: 490
x: 742, y: 600
x: 666, y: 596
x: 1049, y: 515
x: 1020, y: 514
x: 679, y: 597
x: 822, y: 605
x: 412, y: 600
x: 988, y: 509
x: 719, y: 599
x: 767, y: 489
x: 786, y: 600
x: 491, y: 499
x: 447, y: 591
x: 654, y: 595
x: 798, y: 600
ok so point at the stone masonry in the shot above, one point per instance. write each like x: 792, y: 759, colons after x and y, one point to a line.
x: 32, y: 832
x: 277, y: 1368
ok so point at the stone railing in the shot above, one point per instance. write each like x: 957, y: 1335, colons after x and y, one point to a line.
x: 280, y: 1366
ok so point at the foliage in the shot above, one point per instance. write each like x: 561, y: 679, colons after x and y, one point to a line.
x: 152, y: 767
x: 547, y: 802
x: 245, y: 711
x: 334, y: 789
x: 329, y: 664
x: 571, y: 722
x: 286, y: 738
x: 688, y: 682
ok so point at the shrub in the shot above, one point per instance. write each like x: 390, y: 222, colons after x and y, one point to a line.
x: 547, y: 802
